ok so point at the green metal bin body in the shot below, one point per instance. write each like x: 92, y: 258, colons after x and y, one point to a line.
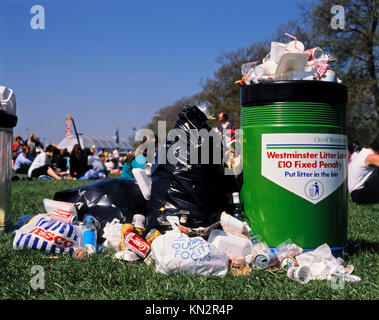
x: 295, y: 162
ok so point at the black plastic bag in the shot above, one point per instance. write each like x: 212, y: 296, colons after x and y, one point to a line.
x: 106, y: 200
x: 200, y: 189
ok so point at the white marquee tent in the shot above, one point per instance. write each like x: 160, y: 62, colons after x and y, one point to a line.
x: 106, y: 143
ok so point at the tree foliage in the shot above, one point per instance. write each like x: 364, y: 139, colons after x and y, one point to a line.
x: 356, y: 48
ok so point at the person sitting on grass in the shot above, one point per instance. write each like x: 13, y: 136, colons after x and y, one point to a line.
x: 23, y: 161
x: 363, y: 175
x: 42, y: 165
x: 97, y: 168
x: 78, y: 162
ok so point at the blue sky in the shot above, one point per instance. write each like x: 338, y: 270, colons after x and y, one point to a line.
x: 114, y: 63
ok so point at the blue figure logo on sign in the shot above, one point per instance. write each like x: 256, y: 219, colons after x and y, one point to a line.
x: 314, y: 189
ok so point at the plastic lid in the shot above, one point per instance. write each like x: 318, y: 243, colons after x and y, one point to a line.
x: 293, y: 91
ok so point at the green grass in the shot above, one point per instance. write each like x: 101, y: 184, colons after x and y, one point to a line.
x: 102, y: 277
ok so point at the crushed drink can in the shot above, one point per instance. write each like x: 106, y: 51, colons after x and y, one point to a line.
x: 151, y: 236
x: 64, y: 216
x: 125, y: 230
x: 265, y: 260
x: 288, y: 262
x: 136, y: 244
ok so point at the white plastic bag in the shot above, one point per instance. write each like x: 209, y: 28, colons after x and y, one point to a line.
x: 112, y: 234
x: 49, y: 236
x: 176, y: 252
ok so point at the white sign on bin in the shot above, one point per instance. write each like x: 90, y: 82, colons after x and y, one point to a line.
x: 310, y: 165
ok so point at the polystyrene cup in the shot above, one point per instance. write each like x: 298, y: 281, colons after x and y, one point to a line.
x: 300, y: 274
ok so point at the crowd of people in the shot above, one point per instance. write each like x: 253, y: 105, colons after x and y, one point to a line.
x: 31, y: 158
x: 51, y: 163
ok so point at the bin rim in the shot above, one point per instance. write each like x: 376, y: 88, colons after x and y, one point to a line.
x: 293, y: 91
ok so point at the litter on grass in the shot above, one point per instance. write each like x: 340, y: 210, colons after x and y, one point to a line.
x: 178, y: 216
x: 205, y: 251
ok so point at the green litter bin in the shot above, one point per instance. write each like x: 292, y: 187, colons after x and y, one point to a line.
x: 295, y: 162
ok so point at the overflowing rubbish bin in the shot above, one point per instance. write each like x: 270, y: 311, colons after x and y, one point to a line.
x: 8, y: 120
x: 295, y: 161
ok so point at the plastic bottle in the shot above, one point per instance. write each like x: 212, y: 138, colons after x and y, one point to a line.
x: 89, y: 238
x: 68, y: 165
x: 237, y: 212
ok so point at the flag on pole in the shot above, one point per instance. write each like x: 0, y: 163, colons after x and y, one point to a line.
x: 68, y: 127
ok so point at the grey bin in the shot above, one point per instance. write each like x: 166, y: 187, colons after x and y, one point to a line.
x: 8, y: 121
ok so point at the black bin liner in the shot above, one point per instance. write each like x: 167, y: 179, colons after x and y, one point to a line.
x: 200, y: 189
x: 106, y: 200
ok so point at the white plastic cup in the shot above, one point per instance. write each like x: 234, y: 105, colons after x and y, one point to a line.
x: 139, y: 221
x: 266, y: 69
x: 277, y: 50
x: 208, y: 109
x: 229, y: 223
x: 246, y: 67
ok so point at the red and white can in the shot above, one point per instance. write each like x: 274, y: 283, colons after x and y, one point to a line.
x: 136, y: 244
x: 63, y: 216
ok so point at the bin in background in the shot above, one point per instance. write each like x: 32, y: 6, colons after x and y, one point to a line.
x: 8, y: 120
